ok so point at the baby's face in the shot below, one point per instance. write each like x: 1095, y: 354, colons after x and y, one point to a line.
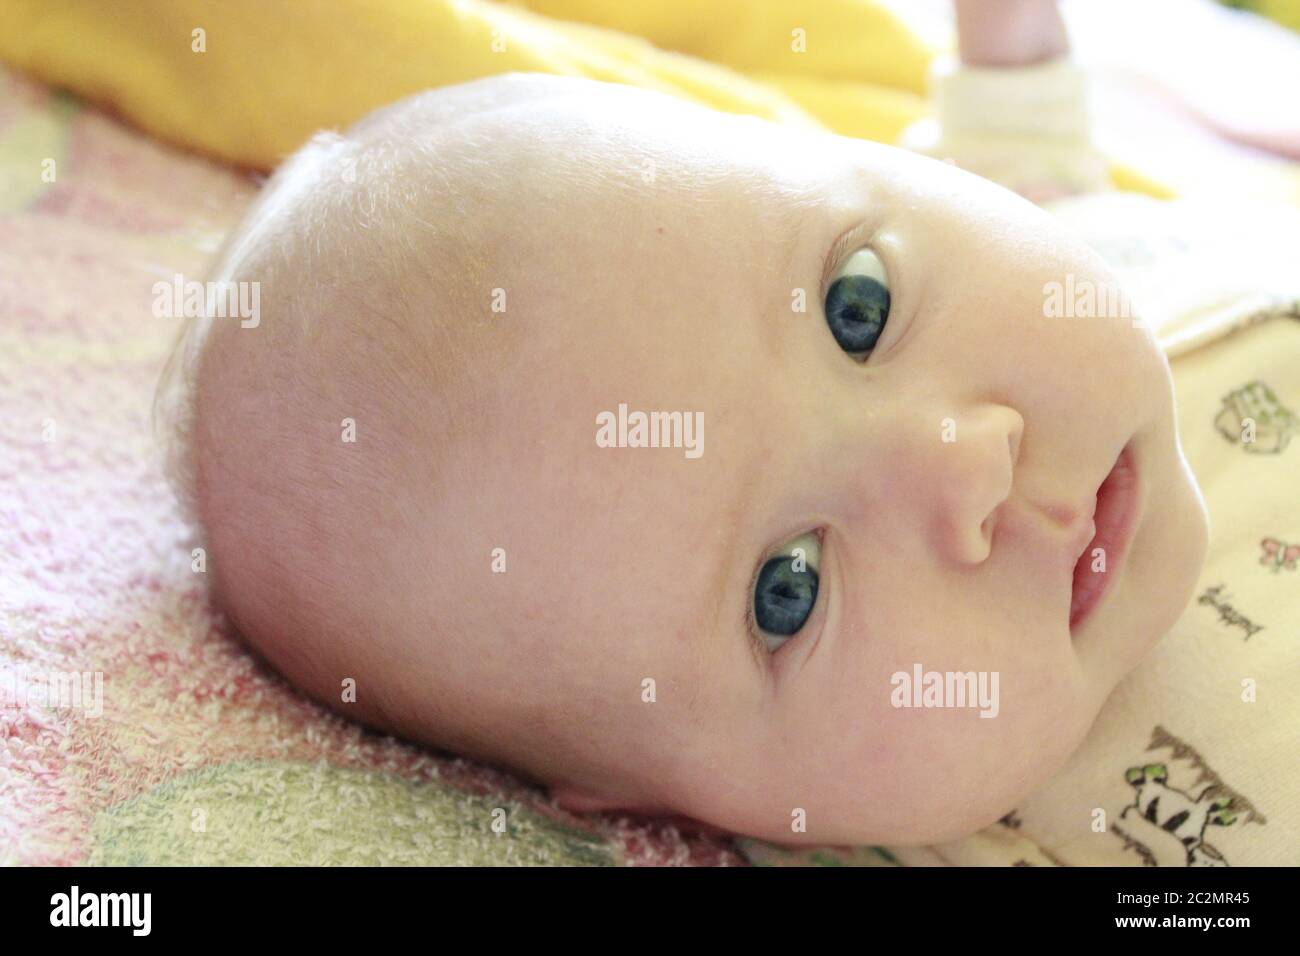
x: 940, y: 479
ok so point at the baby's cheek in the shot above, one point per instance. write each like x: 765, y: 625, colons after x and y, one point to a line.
x: 967, y: 764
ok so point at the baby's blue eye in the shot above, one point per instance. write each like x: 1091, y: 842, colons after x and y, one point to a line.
x: 786, y: 591
x: 857, y: 302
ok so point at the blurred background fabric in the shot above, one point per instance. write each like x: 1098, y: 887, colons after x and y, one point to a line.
x: 1191, y: 96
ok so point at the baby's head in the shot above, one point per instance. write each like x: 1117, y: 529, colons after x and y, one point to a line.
x: 422, y: 468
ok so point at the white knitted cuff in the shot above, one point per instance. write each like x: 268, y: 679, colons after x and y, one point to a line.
x: 1048, y: 100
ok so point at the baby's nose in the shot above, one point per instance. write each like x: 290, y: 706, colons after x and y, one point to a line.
x: 968, y: 476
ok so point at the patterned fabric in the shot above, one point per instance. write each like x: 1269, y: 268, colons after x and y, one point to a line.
x: 133, y: 728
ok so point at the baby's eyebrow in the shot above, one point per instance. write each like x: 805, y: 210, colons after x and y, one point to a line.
x: 735, y: 563
x: 788, y: 211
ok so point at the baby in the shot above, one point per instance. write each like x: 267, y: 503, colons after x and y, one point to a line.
x: 415, y: 505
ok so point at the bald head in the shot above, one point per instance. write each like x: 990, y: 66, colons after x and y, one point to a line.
x: 410, y: 274
x: 400, y: 473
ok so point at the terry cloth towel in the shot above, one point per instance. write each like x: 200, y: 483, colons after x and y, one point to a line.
x: 133, y: 728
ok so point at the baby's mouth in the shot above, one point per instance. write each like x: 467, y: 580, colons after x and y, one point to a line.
x: 1113, y: 521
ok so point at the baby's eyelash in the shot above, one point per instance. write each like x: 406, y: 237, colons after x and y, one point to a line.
x: 756, y: 646
x: 850, y: 239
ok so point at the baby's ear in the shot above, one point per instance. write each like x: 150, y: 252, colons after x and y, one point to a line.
x: 578, y: 800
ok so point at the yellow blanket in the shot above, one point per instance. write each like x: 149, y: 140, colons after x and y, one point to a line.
x: 249, y: 81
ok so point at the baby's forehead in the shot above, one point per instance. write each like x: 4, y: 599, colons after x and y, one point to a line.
x: 559, y: 207
x: 564, y: 143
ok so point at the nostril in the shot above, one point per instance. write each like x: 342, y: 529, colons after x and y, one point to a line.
x: 1014, y: 437
x: 1066, y: 516
x: 980, y: 474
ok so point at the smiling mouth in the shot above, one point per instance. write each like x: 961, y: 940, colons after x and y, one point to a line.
x: 1114, y: 520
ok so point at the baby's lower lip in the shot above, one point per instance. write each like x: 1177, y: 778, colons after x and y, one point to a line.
x: 1114, y: 521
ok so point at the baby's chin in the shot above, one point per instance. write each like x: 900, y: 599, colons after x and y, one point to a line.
x: 932, y: 812
x: 960, y: 813
x: 885, y: 826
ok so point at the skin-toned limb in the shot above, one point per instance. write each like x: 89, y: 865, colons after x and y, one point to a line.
x: 1010, y: 32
